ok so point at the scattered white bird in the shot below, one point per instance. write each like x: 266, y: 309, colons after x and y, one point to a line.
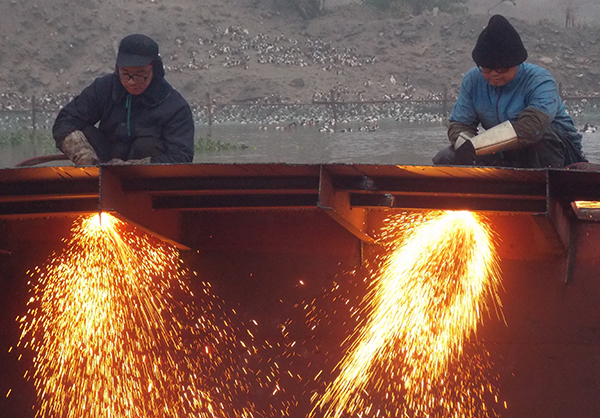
x: 588, y: 128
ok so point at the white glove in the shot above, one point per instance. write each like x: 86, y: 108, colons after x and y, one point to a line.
x: 499, y: 138
x: 78, y: 149
x: 462, y: 138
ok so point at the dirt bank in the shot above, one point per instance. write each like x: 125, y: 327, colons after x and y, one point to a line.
x: 240, y: 50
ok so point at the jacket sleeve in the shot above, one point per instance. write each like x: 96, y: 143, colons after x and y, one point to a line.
x: 456, y: 128
x: 178, y: 135
x: 542, y: 93
x: 464, y: 116
x: 542, y: 104
x: 84, y: 110
x: 531, y: 126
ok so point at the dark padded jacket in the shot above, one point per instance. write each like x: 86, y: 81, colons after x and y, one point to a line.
x: 160, y: 115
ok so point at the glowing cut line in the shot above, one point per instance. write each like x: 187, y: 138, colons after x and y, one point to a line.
x: 426, y: 300
x: 587, y: 204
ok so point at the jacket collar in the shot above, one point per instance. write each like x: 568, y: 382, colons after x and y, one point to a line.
x: 516, y: 80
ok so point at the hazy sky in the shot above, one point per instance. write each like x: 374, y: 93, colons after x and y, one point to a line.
x: 586, y: 11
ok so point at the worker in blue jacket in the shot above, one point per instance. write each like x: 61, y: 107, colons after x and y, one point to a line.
x: 132, y: 116
x: 516, y: 103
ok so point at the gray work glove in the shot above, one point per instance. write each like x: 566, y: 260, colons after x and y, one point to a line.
x: 118, y: 161
x: 78, y: 149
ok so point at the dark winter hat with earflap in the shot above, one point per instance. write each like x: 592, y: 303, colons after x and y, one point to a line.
x: 137, y: 50
x: 499, y: 45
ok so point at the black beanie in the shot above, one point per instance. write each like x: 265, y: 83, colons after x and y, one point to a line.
x: 499, y: 45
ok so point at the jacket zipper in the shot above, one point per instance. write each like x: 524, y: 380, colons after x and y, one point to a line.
x: 497, y: 106
x: 128, y: 107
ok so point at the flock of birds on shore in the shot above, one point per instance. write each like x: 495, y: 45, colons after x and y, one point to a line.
x: 238, y: 48
x: 16, y: 113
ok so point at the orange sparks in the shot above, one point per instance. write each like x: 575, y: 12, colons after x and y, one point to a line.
x: 111, y: 337
x: 426, y: 300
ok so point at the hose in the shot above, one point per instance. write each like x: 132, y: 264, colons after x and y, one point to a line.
x: 42, y: 159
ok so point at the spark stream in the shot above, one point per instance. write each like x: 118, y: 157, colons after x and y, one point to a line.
x: 113, y: 337
x: 411, y: 355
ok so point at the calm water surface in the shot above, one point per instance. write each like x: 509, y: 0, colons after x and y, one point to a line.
x: 393, y: 142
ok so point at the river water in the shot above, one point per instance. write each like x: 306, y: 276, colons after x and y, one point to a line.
x: 388, y: 142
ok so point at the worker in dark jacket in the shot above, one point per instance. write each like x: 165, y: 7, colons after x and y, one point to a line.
x: 128, y: 117
x: 517, y: 103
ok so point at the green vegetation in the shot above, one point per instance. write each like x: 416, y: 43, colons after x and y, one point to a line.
x: 25, y: 137
x: 43, y: 141
x: 40, y: 139
x: 207, y: 145
x: 417, y: 7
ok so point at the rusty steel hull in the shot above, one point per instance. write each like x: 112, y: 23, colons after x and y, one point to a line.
x: 256, y: 231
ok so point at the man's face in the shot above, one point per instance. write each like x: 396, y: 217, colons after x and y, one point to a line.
x: 499, y: 77
x: 136, y: 79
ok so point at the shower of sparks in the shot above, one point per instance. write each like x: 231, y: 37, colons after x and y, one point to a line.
x: 117, y: 332
x: 411, y: 354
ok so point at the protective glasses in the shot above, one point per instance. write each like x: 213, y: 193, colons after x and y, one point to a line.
x: 497, y: 70
x: 137, y: 78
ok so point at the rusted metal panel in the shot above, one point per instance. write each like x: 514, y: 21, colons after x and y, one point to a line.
x: 136, y: 208
x: 337, y: 205
x: 452, y: 188
x: 183, y: 171
x: 449, y: 202
x: 44, y: 191
x: 222, y: 183
x: 236, y: 201
x: 473, y: 173
x: 258, y: 240
x: 547, y: 352
x: 48, y: 183
x: 290, y: 232
x: 52, y: 207
x: 571, y: 185
x: 564, y: 187
x: 8, y: 175
x: 47, y: 189
x: 152, y: 195
x: 445, y: 186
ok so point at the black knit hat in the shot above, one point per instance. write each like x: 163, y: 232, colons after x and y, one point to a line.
x: 499, y: 45
x: 137, y: 50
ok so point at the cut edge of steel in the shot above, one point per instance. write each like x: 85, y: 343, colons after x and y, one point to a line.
x: 153, y: 196
x: 275, y: 186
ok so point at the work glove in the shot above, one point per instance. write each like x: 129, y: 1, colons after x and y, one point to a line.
x: 78, y: 149
x: 118, y: 161
x: 464, y: 149
x: 501, y: 137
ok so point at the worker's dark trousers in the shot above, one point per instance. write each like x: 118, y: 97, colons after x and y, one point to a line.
x: 549, y: 152
x: 554, y: 149
x: 107, y: 149
x: 446, y: 156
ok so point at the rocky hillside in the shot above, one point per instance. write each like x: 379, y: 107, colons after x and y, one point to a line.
x: 238, y: 50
